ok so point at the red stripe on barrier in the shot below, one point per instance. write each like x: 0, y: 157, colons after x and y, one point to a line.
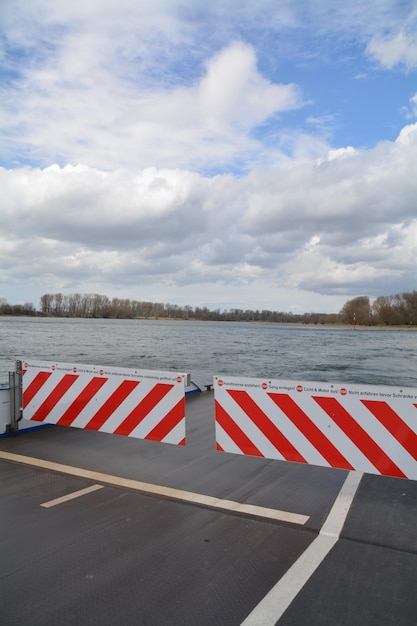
x: 266, y: 426
x: 81, y: 401
x: 54, y: 397
x: 394, y: 424
x: 111, y: 404
x: 359, y: 436
x: 310, y: 431
x: 235, y: 433
x: 146, y: 405
x: 33, y: 388
x: 171, y: 419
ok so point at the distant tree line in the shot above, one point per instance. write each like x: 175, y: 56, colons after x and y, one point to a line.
x: 400, y: 309
x: 96, y: 305
x: 16, y: 309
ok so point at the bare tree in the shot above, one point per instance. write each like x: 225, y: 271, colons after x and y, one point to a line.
x: 356, y: 310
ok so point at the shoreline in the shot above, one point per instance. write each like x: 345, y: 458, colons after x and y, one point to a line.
x: 358, y: 327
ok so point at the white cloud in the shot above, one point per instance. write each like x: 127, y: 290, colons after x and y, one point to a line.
x: 399, y: 49
x: 205, y: 137
x: 233, y: 91
x: 329, y: 227
x: 410, y: 111
x: 79, y: 105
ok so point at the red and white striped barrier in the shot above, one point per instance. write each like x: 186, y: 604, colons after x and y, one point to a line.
x: 367, y: 428
x: 136, y: 403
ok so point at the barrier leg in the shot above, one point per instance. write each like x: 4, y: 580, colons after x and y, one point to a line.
x: 16, y: 409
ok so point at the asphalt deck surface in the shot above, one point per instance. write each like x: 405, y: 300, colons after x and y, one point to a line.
x: 116, y: 555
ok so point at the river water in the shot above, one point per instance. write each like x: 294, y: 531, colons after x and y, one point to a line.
x: 204, y: 349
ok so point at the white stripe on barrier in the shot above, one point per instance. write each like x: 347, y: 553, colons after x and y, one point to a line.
x: 144, y: 404
x: 367, y: 428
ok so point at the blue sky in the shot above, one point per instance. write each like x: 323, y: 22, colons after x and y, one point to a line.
x: 257, y: 154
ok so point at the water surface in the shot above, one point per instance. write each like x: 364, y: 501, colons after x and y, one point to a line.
x: 204, y: 349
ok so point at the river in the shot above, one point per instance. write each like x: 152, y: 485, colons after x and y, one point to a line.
x: 204, y: 349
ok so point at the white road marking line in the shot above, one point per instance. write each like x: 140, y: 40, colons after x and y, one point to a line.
x: 276, y: 602
x: 168, y: 492
x: 333, y: 525
x: 71, y: 496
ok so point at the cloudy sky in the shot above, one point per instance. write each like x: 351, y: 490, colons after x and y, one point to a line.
x: 231, y: 153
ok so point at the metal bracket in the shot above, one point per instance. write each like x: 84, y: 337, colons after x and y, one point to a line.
x: 16, y: 404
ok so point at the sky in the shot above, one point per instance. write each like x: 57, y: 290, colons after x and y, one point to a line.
x: 251, y: 154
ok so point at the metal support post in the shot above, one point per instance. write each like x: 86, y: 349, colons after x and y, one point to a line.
x: 16, y: 405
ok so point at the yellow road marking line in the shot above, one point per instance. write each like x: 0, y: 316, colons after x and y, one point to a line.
x: 71, y: 496
x: 168, y: 492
